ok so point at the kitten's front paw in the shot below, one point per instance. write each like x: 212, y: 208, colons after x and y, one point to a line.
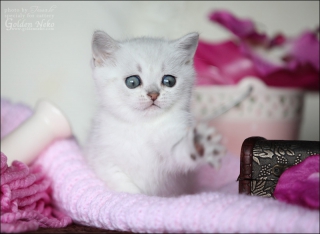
x: 207, y: 146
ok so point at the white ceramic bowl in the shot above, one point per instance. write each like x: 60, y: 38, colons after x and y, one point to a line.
x: 273, y: 113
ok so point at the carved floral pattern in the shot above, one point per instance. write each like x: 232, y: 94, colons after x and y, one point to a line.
x: 271, y: 158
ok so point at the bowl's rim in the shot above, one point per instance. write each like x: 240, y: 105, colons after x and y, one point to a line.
x: 255, y: 82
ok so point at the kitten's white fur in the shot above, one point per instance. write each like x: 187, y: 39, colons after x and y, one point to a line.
x: 135, y: 146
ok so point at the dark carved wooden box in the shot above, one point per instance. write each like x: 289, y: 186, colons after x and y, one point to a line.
x: 263, y: 161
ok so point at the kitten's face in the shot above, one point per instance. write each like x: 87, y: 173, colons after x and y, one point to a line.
x: 143, y: 77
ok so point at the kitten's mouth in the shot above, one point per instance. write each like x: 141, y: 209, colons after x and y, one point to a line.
x: 153, y: 106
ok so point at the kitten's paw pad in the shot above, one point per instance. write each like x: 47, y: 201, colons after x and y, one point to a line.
x: 215, y: 154
x: 207, y: 145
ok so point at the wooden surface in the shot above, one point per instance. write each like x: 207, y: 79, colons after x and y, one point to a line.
x: 246, y: 154
x: 74, y: 228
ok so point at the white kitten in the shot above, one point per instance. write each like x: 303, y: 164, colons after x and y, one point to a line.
x: 142, y: 138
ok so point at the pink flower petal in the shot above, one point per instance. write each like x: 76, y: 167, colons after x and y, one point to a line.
x: 221, y: 63
x: 299, y: 184
x: 303, y: 77
x: 243, y: 28
x: 305, y: 49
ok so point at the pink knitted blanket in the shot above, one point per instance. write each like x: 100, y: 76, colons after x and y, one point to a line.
x: 78, y: 193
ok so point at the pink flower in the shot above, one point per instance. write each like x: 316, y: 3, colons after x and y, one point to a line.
x: 242, y: 28
x: 305, y: 49
x: 278, y: 61
x: 221, y: 63
x: 299, y: 184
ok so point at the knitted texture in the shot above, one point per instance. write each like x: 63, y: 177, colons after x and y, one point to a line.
x: 25, y: 199
x: 80, y: 194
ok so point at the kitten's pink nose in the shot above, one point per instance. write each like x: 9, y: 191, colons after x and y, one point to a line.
x: 153, y: 96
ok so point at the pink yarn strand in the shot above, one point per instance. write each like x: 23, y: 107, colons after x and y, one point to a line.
x: 32, y: 189
x: 18, y: 170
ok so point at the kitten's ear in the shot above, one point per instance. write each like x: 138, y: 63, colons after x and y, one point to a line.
x: 103, y: 47
x: 188, y: 44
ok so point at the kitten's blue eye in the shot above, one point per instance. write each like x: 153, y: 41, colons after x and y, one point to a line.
x: 168, y: 80
x: 133, y: 82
